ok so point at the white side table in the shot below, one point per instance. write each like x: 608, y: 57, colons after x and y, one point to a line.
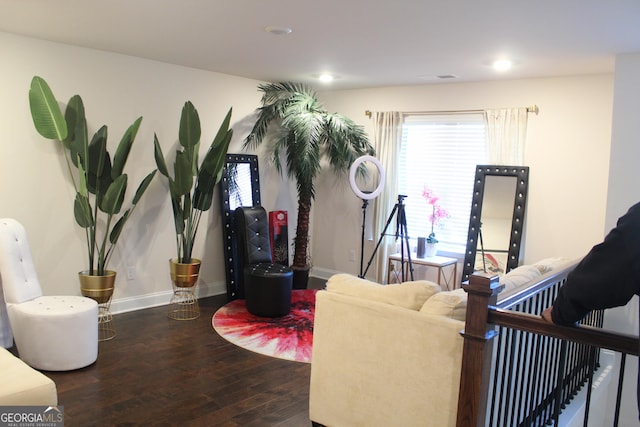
x: 447, y: 268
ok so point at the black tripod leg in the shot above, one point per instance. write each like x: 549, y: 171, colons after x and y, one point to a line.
x: 410, y: 264
x: 405, y: 234
x: 365, y: 202
x: 384, y: 232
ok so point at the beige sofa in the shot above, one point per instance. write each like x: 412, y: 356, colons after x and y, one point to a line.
x: 391, y: 355
x: 23, y: 385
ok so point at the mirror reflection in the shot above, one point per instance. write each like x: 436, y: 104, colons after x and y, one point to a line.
x: 239, y: 181
x: 496, y: 219
x: 495, y: 224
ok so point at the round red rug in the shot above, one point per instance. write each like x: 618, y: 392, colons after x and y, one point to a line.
x: 289, y: 337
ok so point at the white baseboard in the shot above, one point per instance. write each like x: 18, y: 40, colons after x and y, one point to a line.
x: 140, y: 302
x: 324, y: 273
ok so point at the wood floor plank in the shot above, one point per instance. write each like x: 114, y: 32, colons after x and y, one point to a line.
x: 158, y: 371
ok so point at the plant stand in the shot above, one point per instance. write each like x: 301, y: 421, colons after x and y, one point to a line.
x: 184, y: 304
x: 100, y: 289
x: 106, y: 330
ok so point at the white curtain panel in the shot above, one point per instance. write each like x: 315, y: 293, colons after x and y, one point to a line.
x: 386, y: 140
x: 506, y: 135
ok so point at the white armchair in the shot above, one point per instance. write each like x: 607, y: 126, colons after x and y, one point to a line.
x: 52, y: 333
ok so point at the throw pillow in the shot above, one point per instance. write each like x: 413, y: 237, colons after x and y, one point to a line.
x: 411, y: 295
x: 451, y: 304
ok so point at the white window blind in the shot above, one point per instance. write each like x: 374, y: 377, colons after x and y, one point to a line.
x: 440, y: 152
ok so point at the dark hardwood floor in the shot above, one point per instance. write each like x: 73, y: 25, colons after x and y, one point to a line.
x: 163, y: 372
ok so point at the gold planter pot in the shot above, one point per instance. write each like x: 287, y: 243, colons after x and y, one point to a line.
x: 184, y: 275
x: 184, y: 304
x: 100, y: 289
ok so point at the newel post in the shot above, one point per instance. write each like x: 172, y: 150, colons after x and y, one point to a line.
x: 482, y: 291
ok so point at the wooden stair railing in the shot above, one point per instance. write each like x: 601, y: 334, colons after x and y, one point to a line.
x: 595, y: 337
x: 478, y: 335
x: 480, y: 330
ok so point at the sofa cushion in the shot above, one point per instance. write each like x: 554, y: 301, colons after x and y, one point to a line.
x: 452, y: 304
x: 23, y: 385
x: 411, y: 295
x: 549, y: 264
x: 519, y: 276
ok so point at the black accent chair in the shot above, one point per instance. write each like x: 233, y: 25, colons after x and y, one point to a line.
x: 267, y: 286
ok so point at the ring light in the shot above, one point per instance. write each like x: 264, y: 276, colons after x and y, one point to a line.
x: 352, y: 177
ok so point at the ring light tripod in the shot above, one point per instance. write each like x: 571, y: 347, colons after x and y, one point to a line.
x: 365, y: 195
x: 401, y: 232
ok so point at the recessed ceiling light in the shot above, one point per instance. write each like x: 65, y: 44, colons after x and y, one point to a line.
x: 325, y: 78
x: 278, y: 30
x: 502, y: 65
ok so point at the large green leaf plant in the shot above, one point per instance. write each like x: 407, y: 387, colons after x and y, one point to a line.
x: 192, y: 184
x: 99, y: 181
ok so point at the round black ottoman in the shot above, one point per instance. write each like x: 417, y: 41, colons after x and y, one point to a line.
x: 267, y: 289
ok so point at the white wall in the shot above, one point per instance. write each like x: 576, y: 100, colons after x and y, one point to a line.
x: 116, y: 89
x: 567, y: 150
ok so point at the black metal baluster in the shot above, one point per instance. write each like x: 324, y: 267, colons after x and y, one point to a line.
x: 517, y: 374
x: 587, y: 403
x: 616, y: 418
x: 559, y: 382
x: 508, y: 373
x: 494, y: 396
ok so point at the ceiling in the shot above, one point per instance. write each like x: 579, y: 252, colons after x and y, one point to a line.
x: 365, y: 43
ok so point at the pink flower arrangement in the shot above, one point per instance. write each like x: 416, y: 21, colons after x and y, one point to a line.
x: 438, y: 213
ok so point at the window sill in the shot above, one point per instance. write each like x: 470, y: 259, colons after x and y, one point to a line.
x: 451, y: 251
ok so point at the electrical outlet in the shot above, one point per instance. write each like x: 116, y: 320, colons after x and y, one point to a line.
x: 352, y: 255
x: 131, y: 273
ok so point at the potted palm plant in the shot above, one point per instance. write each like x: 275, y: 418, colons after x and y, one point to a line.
x: 191, y: 188
x: 99, y: 180
x: 309, y: 132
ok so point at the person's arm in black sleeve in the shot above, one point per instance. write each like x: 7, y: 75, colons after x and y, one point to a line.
x: 607, y: 277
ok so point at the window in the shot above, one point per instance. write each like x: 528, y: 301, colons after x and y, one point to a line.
x: 440, y: 152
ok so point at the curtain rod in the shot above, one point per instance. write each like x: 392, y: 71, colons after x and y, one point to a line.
x: 531, y: 109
